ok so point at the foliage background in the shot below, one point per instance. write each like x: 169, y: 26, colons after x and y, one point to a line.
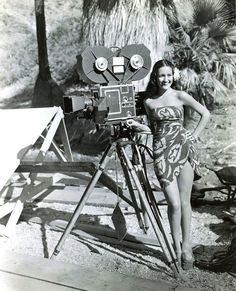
x: 72, y: 25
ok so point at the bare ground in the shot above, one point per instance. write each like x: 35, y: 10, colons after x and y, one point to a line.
x: 210, y: 226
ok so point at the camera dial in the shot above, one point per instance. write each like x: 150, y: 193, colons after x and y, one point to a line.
x: 101, y: 64
x: 136, y: 62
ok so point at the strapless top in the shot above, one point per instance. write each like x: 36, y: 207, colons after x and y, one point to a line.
x: 166, y: 116
x: 168, y: 113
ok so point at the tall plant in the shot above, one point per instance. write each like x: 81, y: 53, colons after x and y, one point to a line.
x: 199, y: 46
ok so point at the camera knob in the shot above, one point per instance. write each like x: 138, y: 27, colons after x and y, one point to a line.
x: 101, y: 64
x: 136, y: 62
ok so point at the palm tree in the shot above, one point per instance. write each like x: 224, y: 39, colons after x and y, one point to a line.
x: 201, y: 32
x: 46, y: 90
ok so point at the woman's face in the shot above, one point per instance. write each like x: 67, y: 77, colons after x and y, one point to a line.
x: 165, y: 77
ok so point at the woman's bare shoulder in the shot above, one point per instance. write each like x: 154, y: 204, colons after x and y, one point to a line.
x: 148, y: 104
x: 181, y: 94
x: 147, y: 100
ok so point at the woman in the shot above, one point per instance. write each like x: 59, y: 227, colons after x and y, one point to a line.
x: 175, y: 159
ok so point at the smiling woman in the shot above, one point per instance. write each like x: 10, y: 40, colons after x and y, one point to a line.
x: 175, y: 158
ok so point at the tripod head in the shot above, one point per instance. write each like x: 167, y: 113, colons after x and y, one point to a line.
x: 120, y: 131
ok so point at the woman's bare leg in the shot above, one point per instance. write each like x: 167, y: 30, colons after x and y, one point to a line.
x: 185, y: 183
x: 174, y: 214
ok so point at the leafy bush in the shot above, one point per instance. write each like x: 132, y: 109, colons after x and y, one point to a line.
x: 199, y: 46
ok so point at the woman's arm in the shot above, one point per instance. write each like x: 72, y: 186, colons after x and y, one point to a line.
x: 188, y: 100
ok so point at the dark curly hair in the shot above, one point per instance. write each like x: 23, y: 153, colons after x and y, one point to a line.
x: 152, y: 85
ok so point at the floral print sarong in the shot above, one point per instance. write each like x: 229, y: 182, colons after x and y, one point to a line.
x: 171, y: 147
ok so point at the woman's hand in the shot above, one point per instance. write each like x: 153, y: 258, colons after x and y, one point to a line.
x: 191, y: 137
x: 137, y: 126
x: 132, y: 123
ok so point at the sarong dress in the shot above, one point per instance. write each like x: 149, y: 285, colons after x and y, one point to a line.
x: 171, y: 146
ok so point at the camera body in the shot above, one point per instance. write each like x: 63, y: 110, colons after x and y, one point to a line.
x: 117, y: 100
x: 112, y: 97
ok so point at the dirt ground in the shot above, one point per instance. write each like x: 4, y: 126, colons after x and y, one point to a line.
x: 211, y: 228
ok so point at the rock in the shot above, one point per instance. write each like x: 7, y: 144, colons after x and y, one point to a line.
x: 218, y: 288
x: 232, y: 210
x: 220, y: 162
x: 209, y: 184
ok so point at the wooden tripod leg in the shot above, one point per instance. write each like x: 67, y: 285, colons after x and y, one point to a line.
x: 101, y: 167
x: 137, y: 166
x: 156, y: 212
x: 152, y: 201
x: 171, y: 258
x: 131, y: 191
x: 143, y: 177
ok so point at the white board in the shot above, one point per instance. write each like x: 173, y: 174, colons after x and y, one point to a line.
x: 19, y: 130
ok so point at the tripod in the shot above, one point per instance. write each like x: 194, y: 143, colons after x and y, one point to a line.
x: 148, y: 204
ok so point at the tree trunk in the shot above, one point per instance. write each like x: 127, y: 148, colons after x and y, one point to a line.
x: 46, y: 91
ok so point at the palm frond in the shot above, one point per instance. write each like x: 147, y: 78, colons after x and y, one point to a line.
x: 183, y: 36
x: 219, y: 31
x: 225, y: 68
x: 188, y: 79
x: 201, y: 39
x: 185, y: 14
x: 205, y: 11
x: 209, y: 84
x: 105, y: 6
x: 206, y: 80
x: 199, y: 59
x: 219, y: 86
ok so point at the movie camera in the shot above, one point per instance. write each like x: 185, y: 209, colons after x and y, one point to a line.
x: 111, y: 71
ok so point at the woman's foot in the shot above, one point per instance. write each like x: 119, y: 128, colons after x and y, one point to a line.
x: 187, y: 260
x: 187, y: 264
